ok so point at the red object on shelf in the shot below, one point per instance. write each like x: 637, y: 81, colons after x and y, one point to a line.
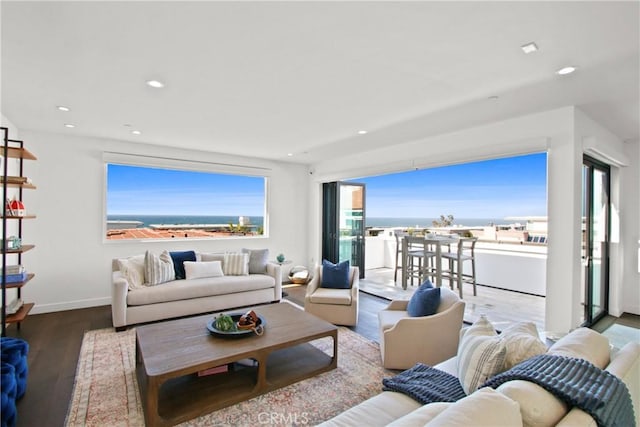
x: 17, y: 208
x: 216, y: 370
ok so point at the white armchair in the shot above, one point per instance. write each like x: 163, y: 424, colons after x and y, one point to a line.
x: 338, y: 306
x: 405, y: 340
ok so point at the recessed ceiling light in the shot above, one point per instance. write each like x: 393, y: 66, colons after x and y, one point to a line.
x: 493, y: 98
x: 155, y: 83
x: 529, y: 47
x: 362, y: 132
x: 69, y: 125
x: 290, y: 154
x: 127, y: 125
x: 566, y: 70
x: 136, y: 132
x: 63, y: 108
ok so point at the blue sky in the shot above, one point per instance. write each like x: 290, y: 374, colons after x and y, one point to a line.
x: 495, y: 189
x: 514, y: 186
x: 149, y: 191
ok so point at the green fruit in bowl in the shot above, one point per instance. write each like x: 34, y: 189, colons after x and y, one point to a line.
x: 225, y: 323
x: 280, y: 258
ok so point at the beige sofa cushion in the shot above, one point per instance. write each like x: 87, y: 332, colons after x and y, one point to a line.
x: 484, y: 408
x: 421, y: 416
x: 381, y: 410
x: 522, y: 342
x: 196, y: 288
x: 584, y: 343
x: 481, y: 355
x: 132, y: 269
x: 538, y: 407
x: 331, y: 296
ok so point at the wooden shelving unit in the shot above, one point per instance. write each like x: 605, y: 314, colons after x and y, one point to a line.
x: 13, y: 149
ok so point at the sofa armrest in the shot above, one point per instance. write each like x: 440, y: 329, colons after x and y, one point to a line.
x: 119, y: 289
x: 398, y: 304
x: 275, y: 270
x: 314, y: 283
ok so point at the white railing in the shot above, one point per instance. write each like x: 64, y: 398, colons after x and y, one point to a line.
x: 512, y: 266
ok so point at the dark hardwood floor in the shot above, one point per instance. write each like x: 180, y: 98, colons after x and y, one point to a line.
x: 55, y: 339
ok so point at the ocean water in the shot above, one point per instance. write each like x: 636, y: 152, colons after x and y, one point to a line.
x: 258, y: 220
x: 428, y: 222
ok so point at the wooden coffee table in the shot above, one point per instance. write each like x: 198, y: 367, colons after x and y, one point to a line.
x: 170, y: 354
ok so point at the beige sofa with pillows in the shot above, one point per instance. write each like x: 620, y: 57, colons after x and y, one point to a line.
x: 515, y: 402
x: 150, y: 286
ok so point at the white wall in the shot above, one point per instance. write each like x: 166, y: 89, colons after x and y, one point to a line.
x: 630, y: 224
x: 71, y: 261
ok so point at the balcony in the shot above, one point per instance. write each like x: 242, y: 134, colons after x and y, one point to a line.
x: 511, y: 279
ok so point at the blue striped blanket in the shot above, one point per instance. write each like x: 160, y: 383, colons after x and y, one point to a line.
x: 425, y: 384
x: 579, y: 383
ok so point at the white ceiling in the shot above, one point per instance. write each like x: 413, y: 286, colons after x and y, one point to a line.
x: 269, y: 78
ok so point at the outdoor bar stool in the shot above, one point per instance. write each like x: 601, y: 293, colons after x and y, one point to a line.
x: 399, y: 235
x: 419, y: 262
x: 465, y: 252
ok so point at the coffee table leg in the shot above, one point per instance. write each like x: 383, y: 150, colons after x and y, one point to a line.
x: 334, y: 362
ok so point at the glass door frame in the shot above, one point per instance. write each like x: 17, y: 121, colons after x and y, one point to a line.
x: 590, y: 166
x: 332, y: 211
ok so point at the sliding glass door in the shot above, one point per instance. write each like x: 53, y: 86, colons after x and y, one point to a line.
x: 343, y: 223
x: 595, y: 239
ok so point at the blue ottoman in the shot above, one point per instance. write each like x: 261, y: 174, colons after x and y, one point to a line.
x: 8, y: 389
x: 14, y: 352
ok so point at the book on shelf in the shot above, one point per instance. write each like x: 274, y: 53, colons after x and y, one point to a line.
x: 215, y: 370
x: 14, y: 269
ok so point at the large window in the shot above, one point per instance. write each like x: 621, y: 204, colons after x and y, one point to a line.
x: 160, y: 203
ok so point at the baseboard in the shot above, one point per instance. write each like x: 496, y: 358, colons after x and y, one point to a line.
x: 70, y: 305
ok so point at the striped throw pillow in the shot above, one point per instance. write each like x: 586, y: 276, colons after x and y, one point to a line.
x: 481, y: 355
x: 158, y: 268
x: 235, y: 264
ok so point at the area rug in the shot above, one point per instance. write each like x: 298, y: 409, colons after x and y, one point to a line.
x: 106, y: 390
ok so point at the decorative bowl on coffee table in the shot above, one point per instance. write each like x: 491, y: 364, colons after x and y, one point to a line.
x: 238, y: 333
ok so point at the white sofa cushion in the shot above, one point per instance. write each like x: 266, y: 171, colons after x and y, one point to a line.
x: 158, y: 268
x: 481, y: 355
x: 584, y: 343
x: 197, y: 270
x: 421, y: 416
x: 196, y: 288
x: 236, y: 264
x: 133, y: 270
x: 380, y: 410
x: 331, y: 296
x: 484, y: 408
x: 522, y: 342
x: 538, y: 407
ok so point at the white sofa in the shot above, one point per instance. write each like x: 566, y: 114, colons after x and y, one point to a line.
x: 514, y: 403
x: 185, y: 297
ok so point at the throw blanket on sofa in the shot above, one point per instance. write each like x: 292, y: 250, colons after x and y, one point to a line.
x: 577, y: 382
x: 425, y: 384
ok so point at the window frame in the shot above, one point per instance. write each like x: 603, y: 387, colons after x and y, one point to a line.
x: 158, y: 162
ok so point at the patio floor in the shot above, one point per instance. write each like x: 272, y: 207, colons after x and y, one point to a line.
x: 501, y: 307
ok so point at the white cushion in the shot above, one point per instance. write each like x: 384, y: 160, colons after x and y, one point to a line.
x: 481, y: 355
x: 484, y: 408
x: 133, y: 270
x: 522, y: 342
x: 258, y: 259
x: 196, y: 270
x: 584, y: 343
x: 538, y: 407
x: 331, y: 296
x: 236, y: 264
x: 421, y: 416
x: 158, y: 268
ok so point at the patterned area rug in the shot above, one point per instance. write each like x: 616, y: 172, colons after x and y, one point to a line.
x: 106, y: 391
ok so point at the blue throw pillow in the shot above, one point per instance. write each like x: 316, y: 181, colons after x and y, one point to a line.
x: 178, y: 259
x: 425, y: 301
x: 335, y: 276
